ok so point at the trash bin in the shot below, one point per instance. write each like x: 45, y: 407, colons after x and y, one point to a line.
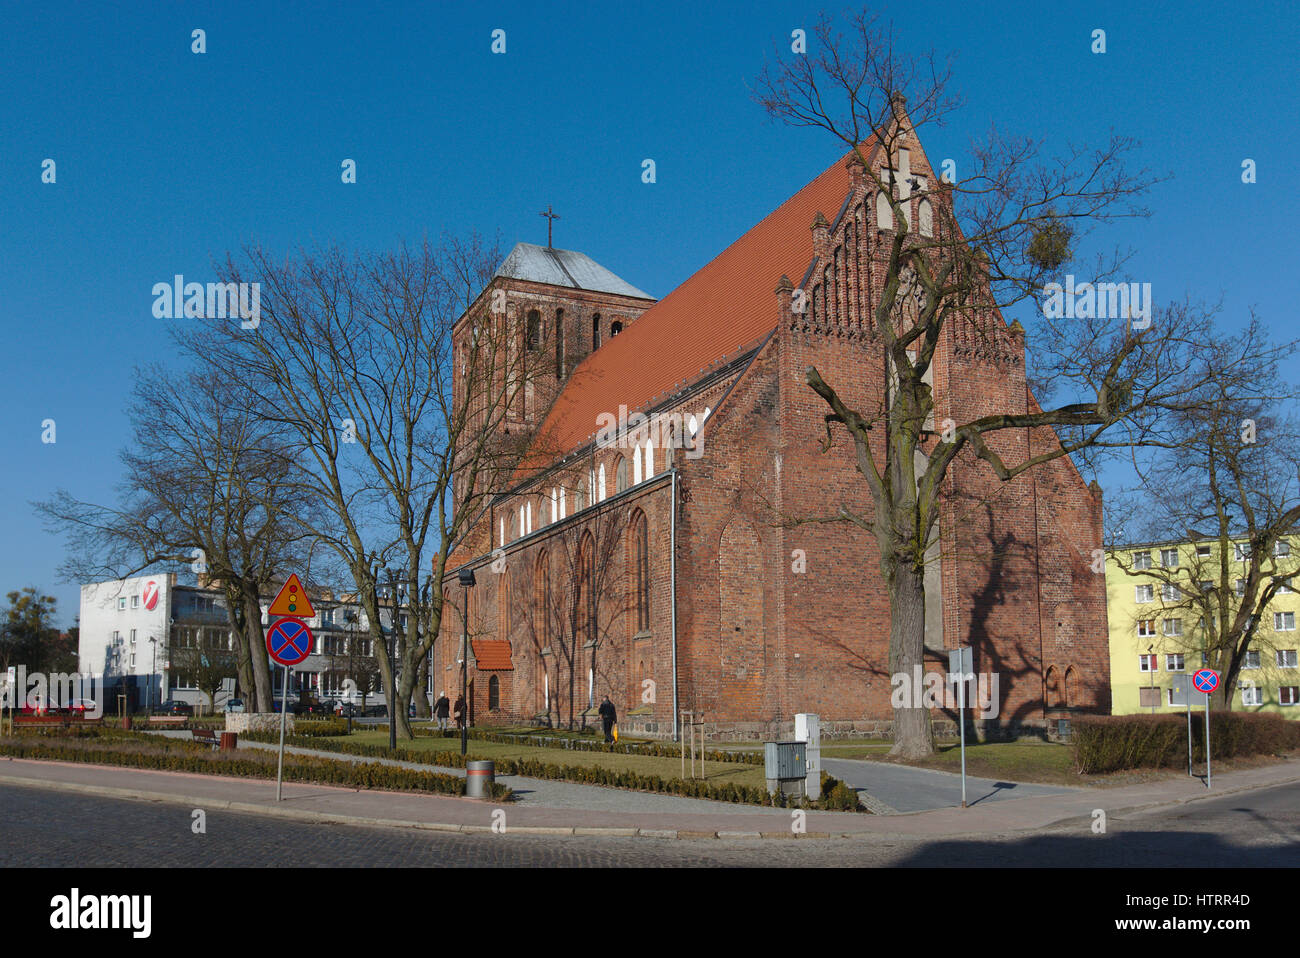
x: 479, y: 775
x: 229, y: 741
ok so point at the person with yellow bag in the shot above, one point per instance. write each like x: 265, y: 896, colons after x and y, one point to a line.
x: 608, y: 718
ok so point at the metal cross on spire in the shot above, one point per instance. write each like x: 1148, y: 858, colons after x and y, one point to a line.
x: 550, y: 221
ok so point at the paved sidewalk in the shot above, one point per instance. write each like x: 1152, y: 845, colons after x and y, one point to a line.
x: 903, y: 788
x: 333, y: 804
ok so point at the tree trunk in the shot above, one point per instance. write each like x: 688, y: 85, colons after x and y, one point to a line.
x: 422, y: 707
x: 256, y: 639
x: 913, y: 733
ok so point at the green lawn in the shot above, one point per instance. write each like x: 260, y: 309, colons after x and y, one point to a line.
x: 717, y: 773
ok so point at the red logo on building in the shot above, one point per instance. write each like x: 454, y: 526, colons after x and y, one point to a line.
x: 151, y: 595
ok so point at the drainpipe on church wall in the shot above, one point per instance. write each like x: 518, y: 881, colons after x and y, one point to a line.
x: 672, y: 587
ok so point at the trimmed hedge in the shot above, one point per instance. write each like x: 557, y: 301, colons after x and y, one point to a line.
x: 580, y: 774
x: 653, y: 749
x: 1117, y: 742
x: 175, y: 755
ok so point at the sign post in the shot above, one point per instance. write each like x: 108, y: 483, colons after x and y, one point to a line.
x: 1206, y: 681
x: 961, y: 663
x: 288, y: 642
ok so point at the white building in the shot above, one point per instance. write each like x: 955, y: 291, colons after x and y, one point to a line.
x: 130, y: 629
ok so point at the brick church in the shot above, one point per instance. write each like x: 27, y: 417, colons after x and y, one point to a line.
x: 652, y: 543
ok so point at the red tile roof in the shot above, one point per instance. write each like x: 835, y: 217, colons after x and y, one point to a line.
x: 729, y: 303
x: 492, y: 655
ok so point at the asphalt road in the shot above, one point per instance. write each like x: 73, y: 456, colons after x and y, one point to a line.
x: 906, y: 789
x: 44, y: 827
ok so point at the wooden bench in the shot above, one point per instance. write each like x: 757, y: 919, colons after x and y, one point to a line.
x: 207, y: 736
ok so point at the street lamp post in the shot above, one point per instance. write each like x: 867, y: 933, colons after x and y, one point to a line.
x: 467, y: 582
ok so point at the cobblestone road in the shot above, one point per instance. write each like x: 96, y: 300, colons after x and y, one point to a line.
x: 49, y: 828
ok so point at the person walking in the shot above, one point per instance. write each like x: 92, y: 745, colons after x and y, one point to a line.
x: 608, y: 716
x: 459, y: 711
x: 441, y: 709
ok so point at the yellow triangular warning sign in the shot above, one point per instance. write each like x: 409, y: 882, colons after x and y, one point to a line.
x: 292, y: 600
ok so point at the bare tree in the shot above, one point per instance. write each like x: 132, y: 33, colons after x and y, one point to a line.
x: 1228, y: 482
x: 205, y: 492
x: 998, y: 236
x: 351, y: 363
x: 208, y: 664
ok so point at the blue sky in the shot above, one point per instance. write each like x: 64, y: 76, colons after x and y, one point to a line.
x: 167, y: 159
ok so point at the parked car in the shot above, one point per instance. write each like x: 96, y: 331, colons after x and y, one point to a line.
x: 376, y: 711
x: 310, y: 706
x: 174, y: 707
x: 234, y: 705
x: 348, y: 710
x: 81, y: 706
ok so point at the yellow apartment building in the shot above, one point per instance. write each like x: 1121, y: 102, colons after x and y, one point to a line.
x: 1156, y: 630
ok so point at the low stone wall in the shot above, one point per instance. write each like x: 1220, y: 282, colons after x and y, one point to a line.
x: 257, y: 722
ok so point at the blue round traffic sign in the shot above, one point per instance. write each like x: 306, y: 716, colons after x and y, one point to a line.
x: 289, y: 641
x: 1206, y: 680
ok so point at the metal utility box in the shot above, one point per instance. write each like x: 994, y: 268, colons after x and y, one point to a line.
x: 786, y: 767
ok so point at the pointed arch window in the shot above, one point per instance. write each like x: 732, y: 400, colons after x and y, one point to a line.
x: 533, y: 334
x: 600, y: 484
x: 615, y: 328
x: 595, y: 331
x: 636, y: 465
x: 542, y: 600
x: 640, y: 572
x: 620, y: 475
x: 649, y: 451
x: 494, y: 694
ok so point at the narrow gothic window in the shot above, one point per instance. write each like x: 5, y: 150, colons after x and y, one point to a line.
x: 600, y: 484
x: 620, y: 475
x: 595, y: 331
x: 494, y: 693
x: 641, y: 572
x: 534, y: 330
x: 636, y: 465
x: 926, y: 215
x: 559, y: 343
x: 649, y: 458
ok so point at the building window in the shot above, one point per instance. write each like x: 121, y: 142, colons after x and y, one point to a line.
x: 600, y: 482
x: 1146, y: 628
x: 641, y: 571
x: 636, y: 465
x: 1148, y: 663
x: 533, y: 330
x: 1203, y: 551
x: 620, y: 474
x: 1173, y: 626
x: 1250, y: 695
x: 1283, y: 621
x: 1286, y: 659
x: 595, y: 331
x: 1284, y: 586
x: 1169, y: 558
x: 135, y: 602
x: 649, y: 458
x: 542, y: 600
x: 562, y: 502
x: 1144, y: 593
x: 1207, y: 585
x: 1174, y: 662
x: 1281, y: 548
x: 1142, y: 560
x: 884, y: 215
x: 615, y: 328
x: 1243, y: 551
x: 1170, y: 592
x: 1251, y: 661
x: 1240, y: 587
x: 1286, y: 695
x: 1148, y: 697
x: 494, y: 694
x: 121, y: 604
